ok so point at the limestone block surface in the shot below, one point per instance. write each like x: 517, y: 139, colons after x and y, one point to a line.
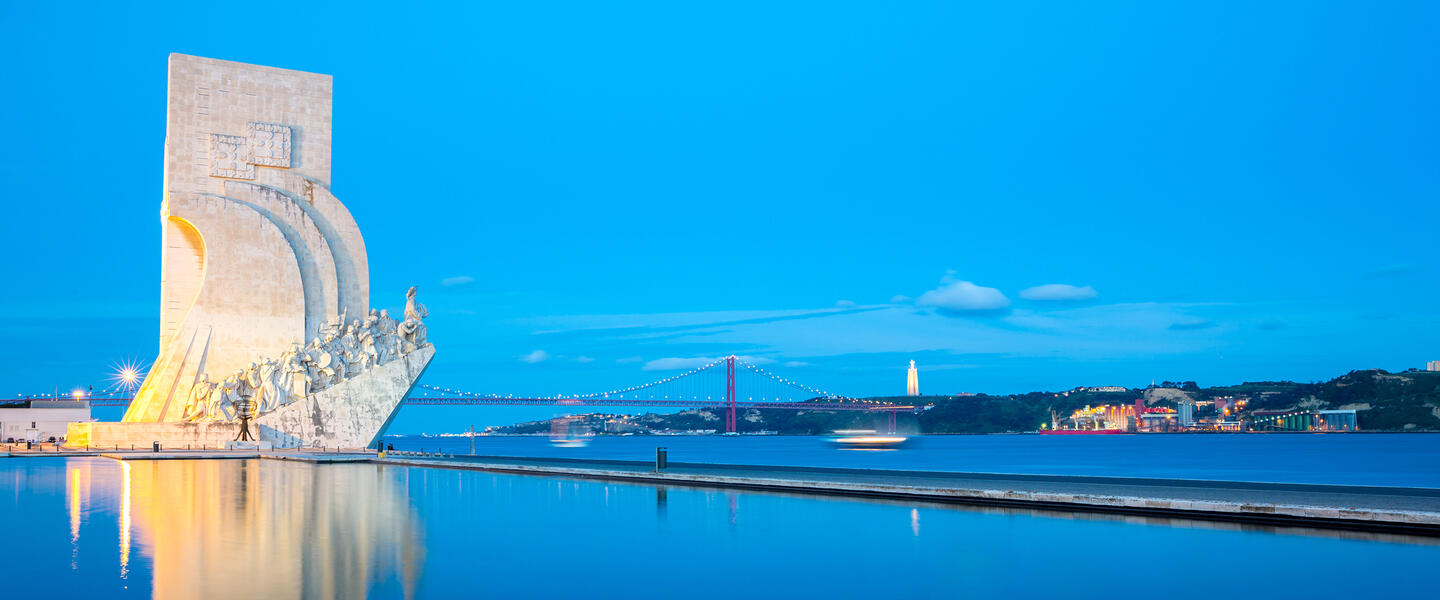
x: 351, y: 414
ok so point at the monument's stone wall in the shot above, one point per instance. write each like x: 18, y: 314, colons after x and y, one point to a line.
x: 171, y: 436
x: 257, y: 253
x: 353, y: 414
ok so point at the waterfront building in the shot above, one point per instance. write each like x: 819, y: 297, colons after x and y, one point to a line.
x: 1336, y: 420
x: 1158, y: 420
x: 912, y: 381
x: 1187, y: 414
x: 1304, y: 420
x: 41, y: 420
x: 1433, y: 365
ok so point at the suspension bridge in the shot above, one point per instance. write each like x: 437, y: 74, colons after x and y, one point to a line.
x: 727, y: 383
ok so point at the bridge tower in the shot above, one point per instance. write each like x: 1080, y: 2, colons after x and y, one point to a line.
x: 730, y: 394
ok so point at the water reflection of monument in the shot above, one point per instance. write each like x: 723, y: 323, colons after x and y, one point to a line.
x: 265, y: 282
x: 293, y: 530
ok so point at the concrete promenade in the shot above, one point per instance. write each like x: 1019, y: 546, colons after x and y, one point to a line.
x: 1413, y: 511
x: 1398, y: 510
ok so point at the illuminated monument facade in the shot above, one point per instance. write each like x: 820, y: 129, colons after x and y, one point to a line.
x: 912, y: 381
x: 264, y: 282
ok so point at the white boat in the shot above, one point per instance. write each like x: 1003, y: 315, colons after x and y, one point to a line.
x: 867, y: 439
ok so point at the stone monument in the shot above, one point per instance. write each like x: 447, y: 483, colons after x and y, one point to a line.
x: 264, y: 281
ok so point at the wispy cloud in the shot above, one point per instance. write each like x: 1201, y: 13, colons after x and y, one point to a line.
x: 845, y: 304
x: 584, y: 359
x: 1088, y: 330
x: 1058, y: 292
x: 795, y: 364
x: 900, y: 299
x: 1395, y: 270
x: 1191, y: 325
x: 536, y: 356
x: 457, y: 281
x: 656, y: 324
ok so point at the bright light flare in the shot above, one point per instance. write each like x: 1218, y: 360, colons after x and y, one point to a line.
x: 126, y: 377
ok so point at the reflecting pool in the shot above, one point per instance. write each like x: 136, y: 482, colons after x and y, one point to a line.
x: 273, y: 529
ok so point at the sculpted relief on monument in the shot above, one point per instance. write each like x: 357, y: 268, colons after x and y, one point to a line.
x: 269, y: 144
x: 230, y: 157
x: 342, y: 351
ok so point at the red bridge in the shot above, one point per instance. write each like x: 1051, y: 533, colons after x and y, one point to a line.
x: 718, y: 384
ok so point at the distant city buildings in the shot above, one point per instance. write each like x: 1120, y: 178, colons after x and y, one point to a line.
x: 1187, y: 414
x: 1220, y: 414
x: 1433, y: 365
x: 912, y: 381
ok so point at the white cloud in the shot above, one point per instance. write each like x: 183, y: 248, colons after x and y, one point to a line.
x: 845, y: 304
x: 900, y: 299
x: 681, y: 364
x: 584, y: 359
x: 959, y: 297
x: 1058, y: 292
x: 628, y: 360
x: 535, y: 357
x: 796, y: 364
x: 457, y: 280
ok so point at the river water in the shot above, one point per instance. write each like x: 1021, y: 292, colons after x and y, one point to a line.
x: 1398, y: 459
x: 94, y: 527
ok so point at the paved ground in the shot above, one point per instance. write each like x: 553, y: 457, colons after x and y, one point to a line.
x: 1412, y: 510
x: 1365, y: 508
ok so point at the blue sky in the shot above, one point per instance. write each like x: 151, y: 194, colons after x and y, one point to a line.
x: 1211, y: 191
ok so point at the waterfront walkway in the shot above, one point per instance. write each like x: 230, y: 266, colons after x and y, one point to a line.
x: 1367, y: 508
x: 1414, y: 511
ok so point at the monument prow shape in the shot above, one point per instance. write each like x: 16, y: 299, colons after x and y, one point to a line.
x: 264, y: 308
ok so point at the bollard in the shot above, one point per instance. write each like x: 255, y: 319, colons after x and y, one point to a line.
x: 154, y: 446
x: 662, y: 459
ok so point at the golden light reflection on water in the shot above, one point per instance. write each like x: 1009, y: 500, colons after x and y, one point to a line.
x: 266, y: 529
x: 124, y: 519
x: 74, y: 506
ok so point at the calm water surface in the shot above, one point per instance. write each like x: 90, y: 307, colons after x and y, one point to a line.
x: 1399, y: 459
x: 271, y: 529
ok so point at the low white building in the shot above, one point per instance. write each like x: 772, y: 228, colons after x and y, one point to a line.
x: 1433, y: 365
x: 40, y: 420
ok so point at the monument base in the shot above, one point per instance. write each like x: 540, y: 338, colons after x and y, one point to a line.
x: 248, y: 446
x: 170, y: 436
x: 351, y: 414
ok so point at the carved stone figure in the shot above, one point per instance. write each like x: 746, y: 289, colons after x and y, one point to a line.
x: 412, y: 329
x: 297, y: 374
x: 388, y: 344
x: 230, y: 394
x: 271, y: 393
x: 197, y: 404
